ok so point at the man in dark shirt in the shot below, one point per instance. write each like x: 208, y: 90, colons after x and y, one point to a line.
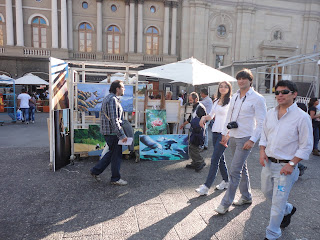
x: 198, y: 111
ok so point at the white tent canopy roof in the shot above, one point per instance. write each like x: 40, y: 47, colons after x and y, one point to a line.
x: 5, y: 77
x: 31, y: 79
x: 189, y: 71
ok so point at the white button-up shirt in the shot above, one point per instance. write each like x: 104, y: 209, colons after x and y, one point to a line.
x: 288, y: 137
x: 249, y: 112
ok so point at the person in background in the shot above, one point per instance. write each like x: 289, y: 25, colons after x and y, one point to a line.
x: 111, y: 121
x: 207, y: 102
x: 169, y: 95
x: 315, y: 124
x: 23, y: 103
x: 219, y: 109
x: 286, y: 139
x: 180, y: 98
x: 32, y: 107
x: 244, y: 124
x: 198, y: 111
x: 11, y: 103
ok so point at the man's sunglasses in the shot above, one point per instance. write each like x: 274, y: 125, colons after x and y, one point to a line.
x: 286, y: 91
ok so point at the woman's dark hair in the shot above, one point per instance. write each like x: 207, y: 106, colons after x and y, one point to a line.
x: 312, y: 101
x: 226, y: 98
x: 245, y: 73
x: 114, y: 86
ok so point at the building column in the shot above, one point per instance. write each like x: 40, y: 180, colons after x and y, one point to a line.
x: 70, y: 25
x: 99, y: 26
x: 131, y: 29
x: 9, y: 23
x: 64, y: 25
x: 19, y: 23
x: 126, y: 35
x: 166, y: 28
x: 140, y: 26
x: 174, y: 28
x: 54, y: 23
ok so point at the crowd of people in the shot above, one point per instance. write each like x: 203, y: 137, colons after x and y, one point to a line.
x: 287, y: 136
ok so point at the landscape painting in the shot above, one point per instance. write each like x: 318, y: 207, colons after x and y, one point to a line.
x: 164, y: 147
x: 89, y: 140
x: 90, y: 96
x: 156, y: 122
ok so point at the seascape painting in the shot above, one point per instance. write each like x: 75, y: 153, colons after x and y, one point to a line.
x: 164, y: 147
x: 156, y: 122
x: 89, y: 140
x: 90, y: 96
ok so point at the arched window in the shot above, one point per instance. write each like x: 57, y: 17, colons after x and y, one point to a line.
x: 85, y: 37
x: 1, y: 31
x: 152, y: 41
x: 39, y: 32
x: 113, y: 36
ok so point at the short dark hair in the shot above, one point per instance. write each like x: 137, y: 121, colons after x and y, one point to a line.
x: 204, y: 91
x: 114, y: 85
x: 180, y: 95
x: 194, y: 95
x: 245, y: 73
x: 23, y: 90
x: 287, y: 83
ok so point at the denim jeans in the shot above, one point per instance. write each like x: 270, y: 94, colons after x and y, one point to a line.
x: 315, y: 137
x: 113, y: 156
x: 25, y: 114
x: 11, y: 114
x: 217, y: 160
x: 238, y: 173
x: 206, y: 138
x: 276, y: 188
x: 31, y: 113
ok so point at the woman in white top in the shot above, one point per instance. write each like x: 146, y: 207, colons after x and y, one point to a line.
x: 219, y: 112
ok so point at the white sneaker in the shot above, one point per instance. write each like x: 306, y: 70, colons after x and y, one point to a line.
x: 242, y: 201
x: 202, y: 190
x: 221, y: 209
x: 120, y: 182
x: 223, y: 185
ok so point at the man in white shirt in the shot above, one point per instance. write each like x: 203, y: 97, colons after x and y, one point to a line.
x: 286, y: 139
x: 23, y: 103
x: 244, y: 121
x: 207, y: 102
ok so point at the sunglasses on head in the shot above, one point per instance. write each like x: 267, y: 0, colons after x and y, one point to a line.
x: 286, y: 91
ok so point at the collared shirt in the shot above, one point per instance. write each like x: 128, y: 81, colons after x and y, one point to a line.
x: 112, y: 108
x: 207, y: 102
x: 220, y: 114
x: 249, y: 112
x: 288, y: 137
x: 181, y: 101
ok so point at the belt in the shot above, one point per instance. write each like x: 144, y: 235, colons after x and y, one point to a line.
x: 277, y: 160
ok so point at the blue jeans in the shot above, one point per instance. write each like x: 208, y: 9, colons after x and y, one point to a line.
x: 113, y: 156
x: 31, y: 113
x: 25, y: 114
x: 315, y: 137
x: 217, y: 159
x: 11, y: 114
x: 276, y: 188
x: 238, y: 173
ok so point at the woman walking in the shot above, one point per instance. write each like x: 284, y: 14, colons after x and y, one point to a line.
x: 219, y: 112
x: 315, y: 124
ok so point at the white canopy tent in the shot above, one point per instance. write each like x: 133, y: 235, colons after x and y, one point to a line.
x: 31, y: 79
x: 189, y: 71
x: 5, y: 78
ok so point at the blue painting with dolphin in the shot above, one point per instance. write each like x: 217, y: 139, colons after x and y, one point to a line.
x: 164, y: 147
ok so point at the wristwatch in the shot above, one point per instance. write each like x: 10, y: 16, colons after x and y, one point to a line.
x: 292, y: 164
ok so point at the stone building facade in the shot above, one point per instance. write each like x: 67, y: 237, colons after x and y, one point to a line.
x: 155, y: 32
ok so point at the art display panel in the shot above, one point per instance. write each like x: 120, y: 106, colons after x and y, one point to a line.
x: 156, y: 122
x: 90, y: 97
x: 164, y: 147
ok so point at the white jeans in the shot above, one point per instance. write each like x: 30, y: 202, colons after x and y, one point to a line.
x: 276, y: 188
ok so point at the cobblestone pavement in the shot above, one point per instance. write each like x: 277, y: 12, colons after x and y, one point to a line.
x: 158, y: 203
